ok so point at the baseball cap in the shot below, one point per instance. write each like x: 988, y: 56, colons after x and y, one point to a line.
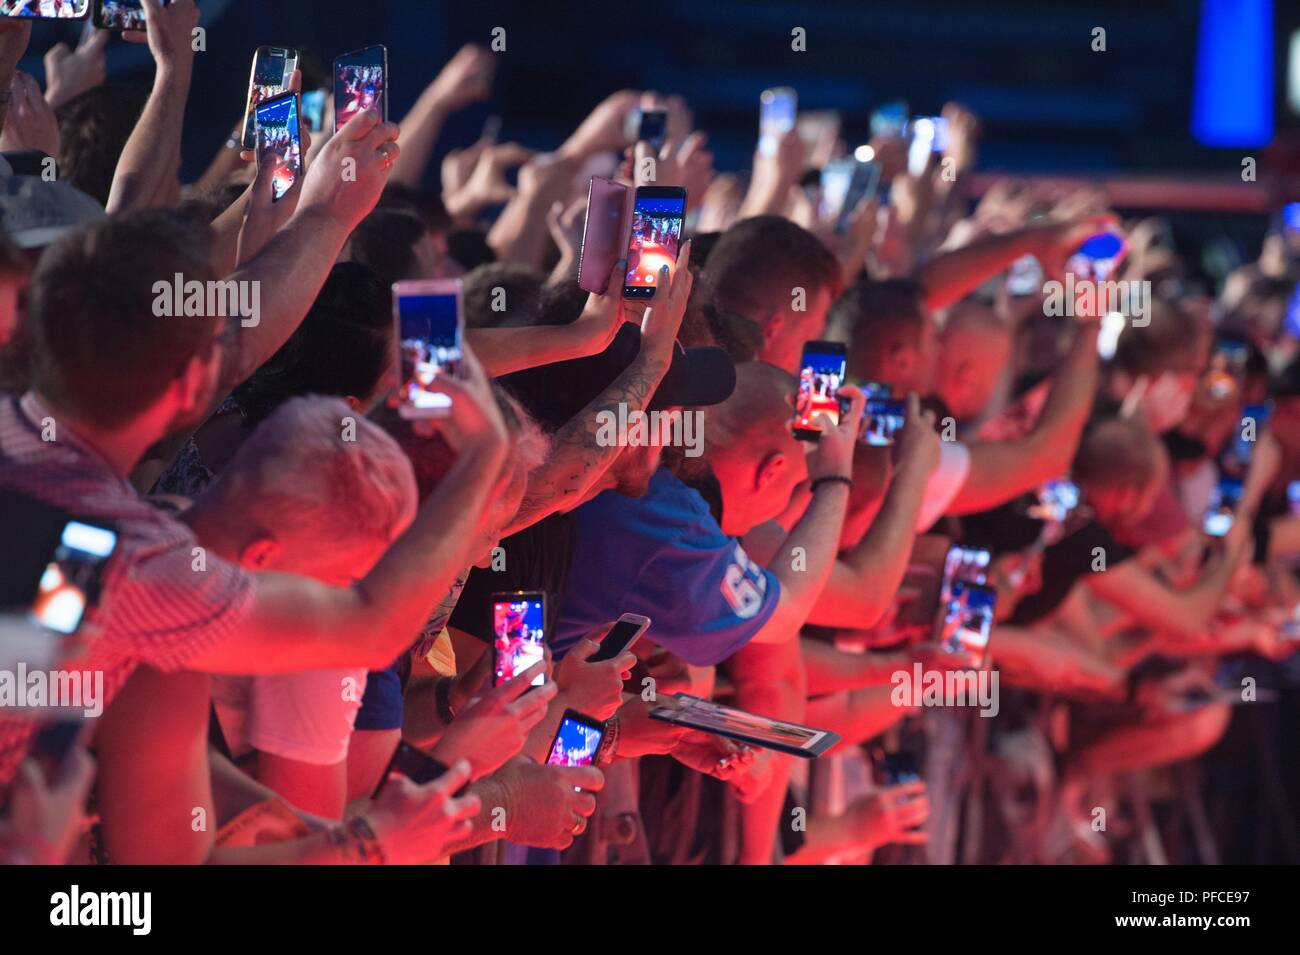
x: 553, y: 394
x: 35, y: 212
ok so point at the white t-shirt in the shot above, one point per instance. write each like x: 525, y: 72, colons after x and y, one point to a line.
x: 946, y: 482
x: 306, y: 716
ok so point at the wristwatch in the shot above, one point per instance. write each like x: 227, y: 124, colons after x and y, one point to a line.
x: 609, y: 744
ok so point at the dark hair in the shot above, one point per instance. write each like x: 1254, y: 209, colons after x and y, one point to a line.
x: 386, y: 239
x: 522, y: 293
x: 93, y: 130
x: 757, y: 261
x: 427, y: 205
x: 469, y: 248
x: 874, y: 318
x: 98, y: 348
x: 341, y: 348
x: 1169, y: 333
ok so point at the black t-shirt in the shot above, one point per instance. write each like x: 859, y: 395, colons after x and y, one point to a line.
x: 1064, y: 563
x: 536, y: 558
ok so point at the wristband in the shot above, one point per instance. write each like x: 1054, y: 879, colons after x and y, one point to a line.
x: 368, y: 849
x: 832, y: 479
x: 442, y: 697
x: 609, y: 744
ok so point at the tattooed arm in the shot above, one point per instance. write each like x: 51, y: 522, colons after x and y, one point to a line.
x: 577, y: 461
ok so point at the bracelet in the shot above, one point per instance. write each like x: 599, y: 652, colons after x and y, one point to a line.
x: 442, y: 697
x: 832, y: 479
x: 609, y: 744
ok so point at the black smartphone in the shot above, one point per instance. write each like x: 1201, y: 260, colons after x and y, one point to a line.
x: 657, y: 216
x: 652, y: 126
x: 360, y: 83
x: 273, y: 68
x: 845, y: 182
x: 121, y: 14
x: 45, y: 9
x: 577, y: 741
x: 967, y: 619
x: 54, y: 745
x: 882, y: 419
x: 899, y: 768
x: 621, y: 636
x: 518, y: 634
x: 416, y: 765
x: 821, y: 374
x: 54, y: 562
x: 279, y: 141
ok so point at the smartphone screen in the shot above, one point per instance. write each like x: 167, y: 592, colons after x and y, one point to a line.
x: 882, y: 419
x: 966, y: 564
x: 889, y: 120
x: 1255, y: 418
x: 1025, y: 277
x: 1223, y: 503
x: 313, y: 109
x: 279, y: 141
x: 71, y: 580
x: 1098, y: 257
x: 620, y: 637
x: 360, y: 83
x: 121, y: 14
x: 1293, y: 498
x: 652, y: 127
x: 272, y: 72
x: 900, y: 768
x: 1056, y: 499
x: 821, y: 374
x: 428, y: 319
x: 576, y: 742
x: 1227, y: 369
x: 777, y: 111
x: 518, y: 635
x: 926, y: 135
x: 45, y: 9
x: 657, y: 217
x: 967, y: 619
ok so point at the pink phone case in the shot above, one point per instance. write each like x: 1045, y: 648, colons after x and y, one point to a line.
x: 603, y: 234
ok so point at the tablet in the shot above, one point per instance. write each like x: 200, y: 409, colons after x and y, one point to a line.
x: 681, y: 709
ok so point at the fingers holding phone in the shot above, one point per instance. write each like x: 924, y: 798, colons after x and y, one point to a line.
x: 416, y: 823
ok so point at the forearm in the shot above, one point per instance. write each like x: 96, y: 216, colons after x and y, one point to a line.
x: 878, y: 563
x: 505, y: 350
x: 948, y: 278
x: 494, y: 796
x: 225, y: 230
x: 152, y: 152
x: 830, y: 670
x: 577, y: 458
x: 306, y: 249
x: 804, y: 563
x: 420, y: 130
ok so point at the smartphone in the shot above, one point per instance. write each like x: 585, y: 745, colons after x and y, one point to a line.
x: 312, y: 104
x: 1056, y: 499
x: 925, y: 135
x: 844, y: 183
x: 273, y: 68
x: 1223, y: 505
x: 121, y: 14
x: 577, y: 741
x: 1025, y: 276
x: 45, y: 9
x: 1227, y: 371
x: 657, y: 216
x: 54, y: 744
x: 969, y: 565
x: 430, y: 321
x: 279, y: 140
x: 621, y: 636
x: 652, y: 126
x: 603, y: 233
x: 1293, y: 498
x: 415, y: 765
x: 518, y: 634
x: 967, y: 619
x: 882, y: 419
x: 821, y: 374
x: 360, y: 83
x: 889, y: 121
x: 1240, y: 448
x: 899, y: 768
x: 1098, y: 257
x: 778, y: 110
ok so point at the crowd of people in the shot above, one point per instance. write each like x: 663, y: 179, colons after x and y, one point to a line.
x: 302, y: 586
